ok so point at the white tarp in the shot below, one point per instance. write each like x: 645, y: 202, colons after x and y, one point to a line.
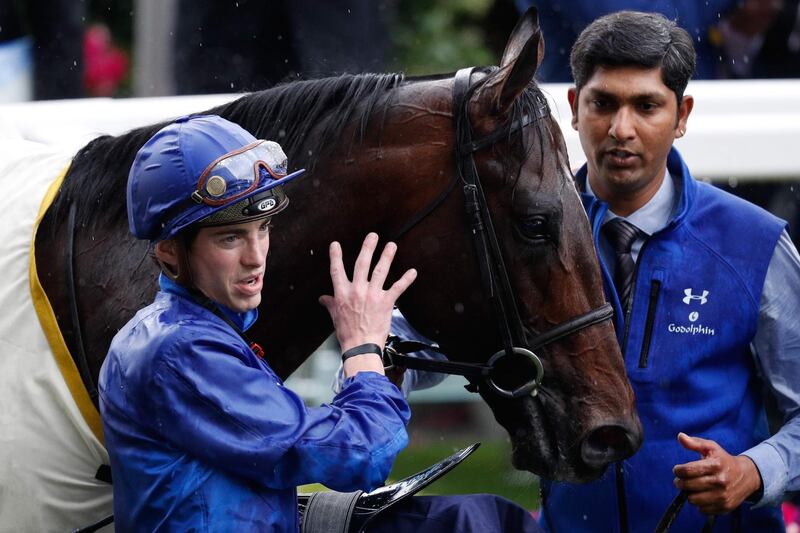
x: 49, y: 455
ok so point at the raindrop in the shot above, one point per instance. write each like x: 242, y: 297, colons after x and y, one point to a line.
x: 459, y: 308
x: 281, y: 133
x: 291, y: 287
x: 311, y: 251
x: 310, y: 153
x: 231, y: 85
x: 733, y: 182
x: 585, y: 517
x: 74, y: 63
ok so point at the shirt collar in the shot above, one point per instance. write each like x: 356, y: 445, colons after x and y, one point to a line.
x: 655, y: 214
x: 243, y: 321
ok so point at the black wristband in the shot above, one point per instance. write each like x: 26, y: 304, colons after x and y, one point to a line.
x: 362, y: 349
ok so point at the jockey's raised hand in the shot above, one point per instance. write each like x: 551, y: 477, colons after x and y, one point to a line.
x: 361, y: 309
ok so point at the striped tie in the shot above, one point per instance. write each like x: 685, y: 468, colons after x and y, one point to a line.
x: 621, y: 234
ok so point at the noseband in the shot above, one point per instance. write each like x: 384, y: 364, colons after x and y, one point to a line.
x: 494, y: 276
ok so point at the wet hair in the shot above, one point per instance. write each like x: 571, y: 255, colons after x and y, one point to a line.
x: 633, y: 38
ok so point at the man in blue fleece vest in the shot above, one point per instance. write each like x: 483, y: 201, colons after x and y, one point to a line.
x: 706, y: 289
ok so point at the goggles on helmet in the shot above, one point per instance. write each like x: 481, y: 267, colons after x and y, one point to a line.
x: 240, y: 172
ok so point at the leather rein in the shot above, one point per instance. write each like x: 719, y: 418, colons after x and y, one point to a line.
x: 494, y: 275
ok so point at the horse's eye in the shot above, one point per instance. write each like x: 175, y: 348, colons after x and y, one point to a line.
x: 534, y: 228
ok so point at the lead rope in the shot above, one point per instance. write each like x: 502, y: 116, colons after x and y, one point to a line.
x: 103, y: 472
x: 80, y: 357
x: 672, y: 513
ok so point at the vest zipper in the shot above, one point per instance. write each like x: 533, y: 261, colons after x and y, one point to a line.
x: 622, y: 504
x: 655, y: 288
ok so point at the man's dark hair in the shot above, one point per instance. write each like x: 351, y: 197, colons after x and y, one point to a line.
x: 632, y: 38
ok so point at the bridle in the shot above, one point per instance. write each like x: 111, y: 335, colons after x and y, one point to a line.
x: 494, y: 276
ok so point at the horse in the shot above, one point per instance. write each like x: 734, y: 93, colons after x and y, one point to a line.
x: 390, y: 154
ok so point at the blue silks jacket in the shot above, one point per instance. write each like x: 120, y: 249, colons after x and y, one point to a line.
x: 694, y: 312
x: 203, y: 436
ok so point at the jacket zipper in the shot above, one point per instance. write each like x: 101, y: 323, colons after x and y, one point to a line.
x: 621, y: 499
x: 655, y: 287
x: 619, y: 470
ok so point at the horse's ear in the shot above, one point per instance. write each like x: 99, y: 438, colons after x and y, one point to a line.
x: 524, y: 51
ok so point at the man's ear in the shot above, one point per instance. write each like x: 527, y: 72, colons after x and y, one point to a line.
x: 167, y: 254
x: 684, y: 110
x: 572, y: 96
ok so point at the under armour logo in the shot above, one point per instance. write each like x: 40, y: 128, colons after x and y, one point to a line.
x: 689, y: 297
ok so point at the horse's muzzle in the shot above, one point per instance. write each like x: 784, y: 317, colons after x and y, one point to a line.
x: 609, y: 443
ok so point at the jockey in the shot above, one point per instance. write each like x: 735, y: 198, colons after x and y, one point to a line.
x: 201, y: 433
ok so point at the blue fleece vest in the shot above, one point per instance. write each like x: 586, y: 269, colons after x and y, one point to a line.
x: 686, y: 347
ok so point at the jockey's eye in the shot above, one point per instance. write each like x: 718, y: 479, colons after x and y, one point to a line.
x: 534, y: 228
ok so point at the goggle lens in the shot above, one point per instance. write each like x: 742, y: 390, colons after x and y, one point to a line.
x: 238, y: 173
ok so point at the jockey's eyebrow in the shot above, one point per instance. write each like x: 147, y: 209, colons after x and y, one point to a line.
x: 238, y: 231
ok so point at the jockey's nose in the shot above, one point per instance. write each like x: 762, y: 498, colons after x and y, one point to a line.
x: 609, y: 443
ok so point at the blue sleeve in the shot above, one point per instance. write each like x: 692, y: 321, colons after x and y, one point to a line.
x: 777, y: 348
x: 209, y: 402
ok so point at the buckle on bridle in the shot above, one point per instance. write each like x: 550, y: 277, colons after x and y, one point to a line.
x: 529, y: 388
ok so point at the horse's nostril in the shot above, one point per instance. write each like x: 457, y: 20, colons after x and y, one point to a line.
x: 607, y: 444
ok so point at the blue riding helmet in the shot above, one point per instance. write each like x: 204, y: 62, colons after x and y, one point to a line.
x: 207, y: 171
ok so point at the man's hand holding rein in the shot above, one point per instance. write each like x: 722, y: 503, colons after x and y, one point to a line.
x: 361, y: 309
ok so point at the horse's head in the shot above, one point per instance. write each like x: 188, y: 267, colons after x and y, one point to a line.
x: 583, y: 416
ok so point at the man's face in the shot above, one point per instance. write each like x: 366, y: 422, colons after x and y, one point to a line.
x: 627, y: 119
x: 228, y: 263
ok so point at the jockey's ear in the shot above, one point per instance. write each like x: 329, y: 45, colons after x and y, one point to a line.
x: 172, y: 256
x: 522, y: 56
x: 167, y: 253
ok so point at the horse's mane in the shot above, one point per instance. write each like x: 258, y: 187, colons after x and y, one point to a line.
x: 286, y: 113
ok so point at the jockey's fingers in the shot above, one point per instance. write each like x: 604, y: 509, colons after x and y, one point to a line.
x: 338, y: 275
x: 327, y: 301
x: 703, y: 467
x: 400, y: 286
x: 381, y: 269
x: 361, y: 269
